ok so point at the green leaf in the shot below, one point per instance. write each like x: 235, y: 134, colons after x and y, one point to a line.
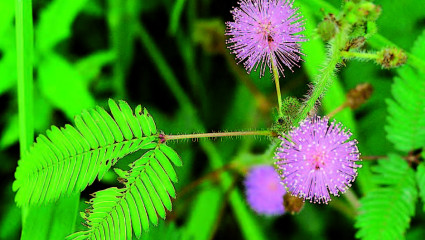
x: 61, y: 223
x: 385, y: 212
x: 122, y: 211
x: 51, y: 28
x: 63, y: 86
x: 420, y: 179
x: 406, y: 120
x: 205, y: 208
x: 70, y: 158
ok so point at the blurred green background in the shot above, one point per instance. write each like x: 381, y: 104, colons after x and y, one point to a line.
x: 170, y: 56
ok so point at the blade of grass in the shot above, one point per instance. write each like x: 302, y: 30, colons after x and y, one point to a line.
x: 49, y: 219
x: 24, y: 48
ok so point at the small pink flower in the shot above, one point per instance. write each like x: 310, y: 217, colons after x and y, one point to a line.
x: 264, y: 191
x: 318, y: 160
x: 264, y: 30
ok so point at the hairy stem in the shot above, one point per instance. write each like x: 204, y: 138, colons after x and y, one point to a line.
x: 363, y: 55
x: 219, y: 134
x: 326, y: 76
x: 276, y: 81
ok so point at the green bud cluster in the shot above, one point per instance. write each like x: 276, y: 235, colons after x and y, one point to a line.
x: 290, y: 110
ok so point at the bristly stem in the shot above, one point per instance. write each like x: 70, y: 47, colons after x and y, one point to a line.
x: 276, y: 81
x: 218, y: 134
x: 24, y: 55
x: 326, y: 76
x: 362, y: 55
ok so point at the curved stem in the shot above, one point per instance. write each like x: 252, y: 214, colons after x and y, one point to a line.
x: 219, y: 134
x: 276, y: 81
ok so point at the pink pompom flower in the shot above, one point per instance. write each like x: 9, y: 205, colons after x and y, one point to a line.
x: 318, y: 159
x: 265, y: 31
x: 264, y: 191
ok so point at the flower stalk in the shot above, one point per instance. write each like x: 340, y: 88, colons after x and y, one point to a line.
x: 276, y: 81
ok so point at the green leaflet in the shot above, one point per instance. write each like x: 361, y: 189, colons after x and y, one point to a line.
x: 406, y: 120
x: 420, y: 179
x: 116, y: 213
x: 386, y: 211
x: 68, y: 159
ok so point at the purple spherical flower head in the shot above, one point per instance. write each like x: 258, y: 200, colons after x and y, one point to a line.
x: 318, y: 160
x: 265, y: 31
x: 264, y: 191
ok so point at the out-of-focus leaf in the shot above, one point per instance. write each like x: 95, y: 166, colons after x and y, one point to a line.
x: 61, y: 223
x: 55, y: 23
x: 205, y: 210
x: 60, y: 82
x: 10, y: 220
x: 7, y: 13
x: 10, y: 133
x: 8, y: 59
x: 91, y: 66
x: 420, y: 180
x: 164, y: 230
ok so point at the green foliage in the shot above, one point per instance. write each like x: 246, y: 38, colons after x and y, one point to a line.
x: 420, y: 179
x: 70, y: 158
x: 385, y: 212
x: 406, y: 120
x: 117, y: 212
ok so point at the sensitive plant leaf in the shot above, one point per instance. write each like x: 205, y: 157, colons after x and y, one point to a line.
x: 66, y: 160
x: 418, y: 48
x: 420, y: 179
x: 116, y: 213
x: 52, y: 29
x: 406, y: 120
x: 65, y: 88
x: 385, y: 212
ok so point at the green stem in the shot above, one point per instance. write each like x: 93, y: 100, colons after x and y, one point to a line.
x: 368, y: 56
x: 24, y: 56
x: 24, y: 48
x: 276, y: 81
x: 324, y: 80
x: 219, y: 134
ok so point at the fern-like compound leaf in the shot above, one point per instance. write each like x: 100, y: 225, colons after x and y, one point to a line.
x: 420, y: 179
x: 116, y: 213
x: 66, y: 160
x: 406, y: 120
x: 386, y: 211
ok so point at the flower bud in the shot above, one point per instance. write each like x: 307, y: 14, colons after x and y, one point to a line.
x: 293, y: 204
x: 327, y: 28
x: 359, y: 95
x: 391, y: 57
